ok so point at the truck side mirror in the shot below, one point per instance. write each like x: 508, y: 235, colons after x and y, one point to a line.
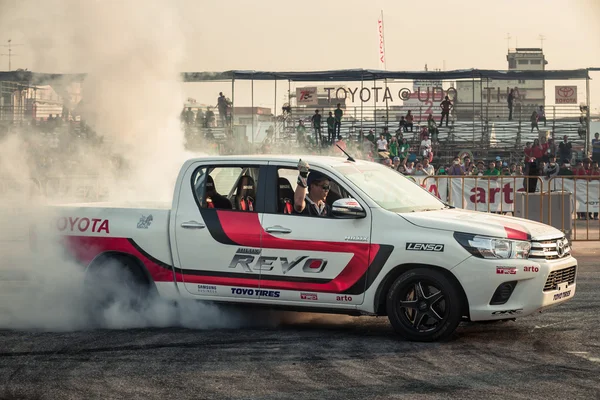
x: 347, y: 208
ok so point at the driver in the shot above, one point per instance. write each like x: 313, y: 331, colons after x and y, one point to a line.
x: 311, y: 203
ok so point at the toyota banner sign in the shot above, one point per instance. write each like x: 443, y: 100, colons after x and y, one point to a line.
x: 565, y: 95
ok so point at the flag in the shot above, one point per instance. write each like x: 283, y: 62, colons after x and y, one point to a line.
x: 381, y: 42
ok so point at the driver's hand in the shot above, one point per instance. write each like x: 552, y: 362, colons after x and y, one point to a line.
x: 303, y: 167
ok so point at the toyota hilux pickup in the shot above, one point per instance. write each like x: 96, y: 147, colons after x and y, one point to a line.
x: 388, y: 247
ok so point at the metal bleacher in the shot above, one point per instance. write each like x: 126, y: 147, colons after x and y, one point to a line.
x: 486, y: 134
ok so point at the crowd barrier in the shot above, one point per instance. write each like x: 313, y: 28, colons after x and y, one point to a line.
x: 500, y: 195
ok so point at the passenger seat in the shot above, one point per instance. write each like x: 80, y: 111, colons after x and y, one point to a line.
x: 246, y: 194
x: 285, y: 196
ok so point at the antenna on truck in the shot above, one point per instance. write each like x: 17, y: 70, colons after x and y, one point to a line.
x: 344, y: 151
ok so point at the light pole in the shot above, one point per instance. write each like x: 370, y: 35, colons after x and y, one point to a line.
x: 10, y: 55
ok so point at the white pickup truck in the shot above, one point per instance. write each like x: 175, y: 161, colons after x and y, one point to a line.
x: 387, y: 247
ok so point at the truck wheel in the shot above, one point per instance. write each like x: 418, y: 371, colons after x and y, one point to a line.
x: 115, y: 282
x: 423, y: 305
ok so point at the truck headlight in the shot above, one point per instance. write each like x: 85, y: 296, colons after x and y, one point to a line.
x: 490, y: 247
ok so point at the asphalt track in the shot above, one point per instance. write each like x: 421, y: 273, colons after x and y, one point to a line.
x: 551, y: 355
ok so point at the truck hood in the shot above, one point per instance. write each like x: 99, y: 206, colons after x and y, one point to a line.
x: 481, y: 223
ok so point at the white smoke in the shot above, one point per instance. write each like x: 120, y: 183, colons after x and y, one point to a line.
x: 131, y: 52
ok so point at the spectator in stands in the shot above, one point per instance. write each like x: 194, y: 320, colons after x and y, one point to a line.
x: 466, y: 163
x: 537, y: 150
x: 531, y: 171
x: 189, y: 116
x: 396, y: 163
x: 471, y: 170
x: 331, y: 129
x: 301, y: 132
x: 419, y: 170
x: 338, y: 113
x: 409, y: 120
x: 199, y: 118
x: 565, y: 170
x: 528, y: 150
x: 409, y: 169
x: 442, y: 170
x: 551, y: 169
x: 541, y: 114
x: 587, y: 166
x: 579, y: 169
x: 510, y: 101
x: 403, y: 127
x: 480, y: 169
x: 387, y: 134
x: 222, y: 106
x: 387, y: 162
x: 428, y: 168
x: 491, y: 171
x: 371, y: 136
x: 596, y: 148
x: 445, y: 106
x: 582, y: 129
x: 210, y: 118
x: 550, y: 148
x: 534, y: 121
x: 403, y: 150
x: 425, y: 149
x: 518, y: 171
x: 393, y: 147
x: 316, y: 123
x: 456, y: 168
x: 565, y: 150
x: 432, y: 128
x: 382, y: 146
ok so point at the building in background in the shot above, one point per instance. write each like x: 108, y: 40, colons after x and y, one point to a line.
x: 493, y: 94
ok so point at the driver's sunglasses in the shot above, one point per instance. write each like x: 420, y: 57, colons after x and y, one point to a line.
x: 325, y: 187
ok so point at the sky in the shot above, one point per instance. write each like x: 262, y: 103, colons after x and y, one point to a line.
x: 319, y: 35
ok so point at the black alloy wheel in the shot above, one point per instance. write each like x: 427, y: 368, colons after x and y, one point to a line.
x: 423, y: 305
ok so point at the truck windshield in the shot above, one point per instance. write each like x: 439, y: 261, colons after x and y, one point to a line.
x: 390, y: 189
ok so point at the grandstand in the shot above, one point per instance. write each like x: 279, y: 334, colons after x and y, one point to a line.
x: 481, y: 128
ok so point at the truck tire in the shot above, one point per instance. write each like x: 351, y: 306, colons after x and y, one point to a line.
x: 115, y: 282
x: 423, y: 305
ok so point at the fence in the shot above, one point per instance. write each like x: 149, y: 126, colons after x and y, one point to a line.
x: 530, y: 197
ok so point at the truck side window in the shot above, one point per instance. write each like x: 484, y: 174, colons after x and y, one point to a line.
x: 226, y: 188
x: 286, y: 186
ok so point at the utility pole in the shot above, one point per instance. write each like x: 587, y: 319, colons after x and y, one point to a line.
x: 508, y: 40
x: 542, y: 38
x: 10, y: 54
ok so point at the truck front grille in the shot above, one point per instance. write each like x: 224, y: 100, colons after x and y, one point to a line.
x: 550, y: 249
x: 560, y: 276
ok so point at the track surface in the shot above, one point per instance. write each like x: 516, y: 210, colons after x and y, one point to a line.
x: 552, y: 355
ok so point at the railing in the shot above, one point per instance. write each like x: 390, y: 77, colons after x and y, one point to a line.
x: 529, y: 197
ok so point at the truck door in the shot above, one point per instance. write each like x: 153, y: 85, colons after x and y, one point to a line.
x: 317, y: 259
x: 215, y: 247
